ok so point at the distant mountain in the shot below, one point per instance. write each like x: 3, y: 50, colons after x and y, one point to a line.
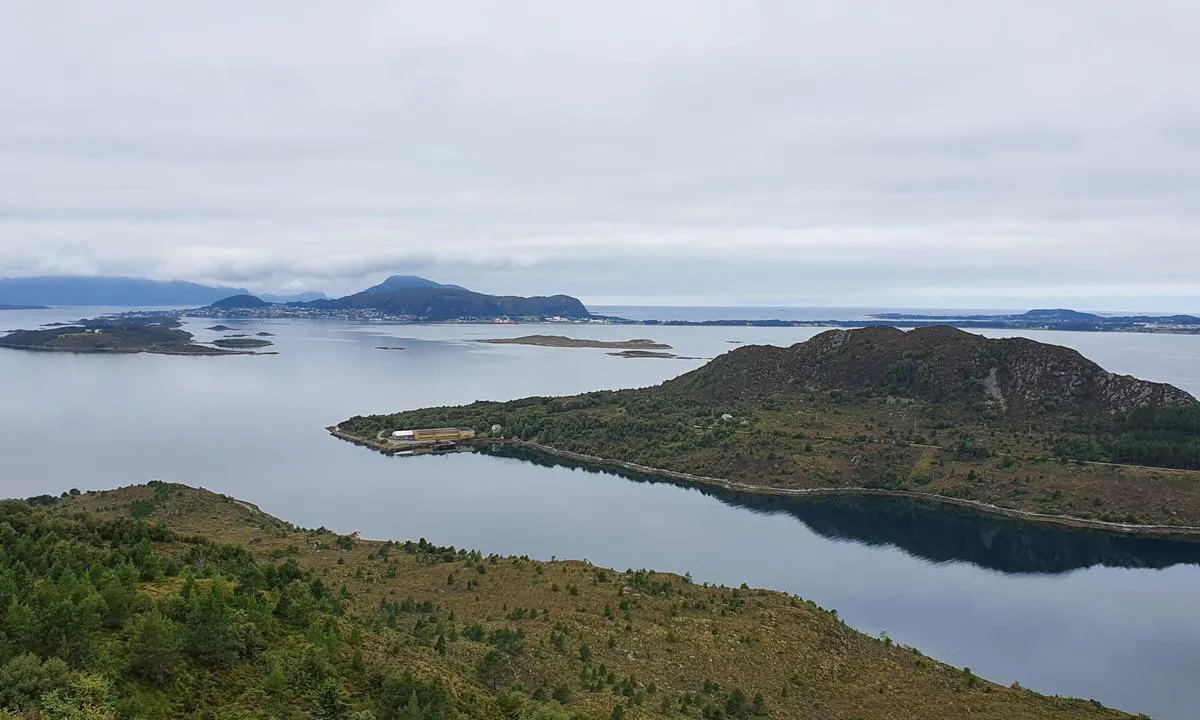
x: 100, y: 290
x: 1059, y: 315
x: 438, y: 303
x: 5, y: 306
x: 403, y: 282
x: 298, y: 297
x: 1053, y: 319
x: 240, y: 302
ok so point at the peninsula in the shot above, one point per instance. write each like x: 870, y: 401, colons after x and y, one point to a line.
x: 566, y: 342
x: 1010, y: 425
x: 208, y: 602
x: 114, y: 335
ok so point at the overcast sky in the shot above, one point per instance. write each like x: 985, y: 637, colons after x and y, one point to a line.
x: 916, y: 154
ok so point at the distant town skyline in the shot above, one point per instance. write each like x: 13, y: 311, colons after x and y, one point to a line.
x: 924, y: 155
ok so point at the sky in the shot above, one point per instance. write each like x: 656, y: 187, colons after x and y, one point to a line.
x: 843, y: 153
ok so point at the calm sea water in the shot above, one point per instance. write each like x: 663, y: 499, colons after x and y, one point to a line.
x: 1067, y: 612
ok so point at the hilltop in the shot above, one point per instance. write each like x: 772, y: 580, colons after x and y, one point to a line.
x: 401, y: 282
x: 1012, y: 424
x: 199, y: 605
x: 1008, y: 381
x: 243, y: 301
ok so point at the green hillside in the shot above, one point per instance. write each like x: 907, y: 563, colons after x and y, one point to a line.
x: 168, y: 602
x: 1011, y: 423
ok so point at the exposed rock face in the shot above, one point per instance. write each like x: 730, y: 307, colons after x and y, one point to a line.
x: 1013, y: 378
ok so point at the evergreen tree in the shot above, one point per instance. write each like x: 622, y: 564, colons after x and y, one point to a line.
x: 492, y: 668
x: 329, y: 700
x: 211, y: 638
x: 154, y: 646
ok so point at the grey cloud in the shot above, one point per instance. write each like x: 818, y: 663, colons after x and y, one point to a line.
x: 842, y: 153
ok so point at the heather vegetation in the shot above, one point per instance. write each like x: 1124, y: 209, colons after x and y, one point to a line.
x: 201, y: 606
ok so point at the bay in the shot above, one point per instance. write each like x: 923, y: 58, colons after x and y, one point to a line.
x: 1061, y: 611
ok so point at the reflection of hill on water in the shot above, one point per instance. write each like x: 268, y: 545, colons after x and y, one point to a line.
x: 943, y: 533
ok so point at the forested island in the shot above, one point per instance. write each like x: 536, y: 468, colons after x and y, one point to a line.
x: 1008, y: 424
x: 163, y: 601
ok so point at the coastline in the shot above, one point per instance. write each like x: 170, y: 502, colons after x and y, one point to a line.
x: 723, y: 484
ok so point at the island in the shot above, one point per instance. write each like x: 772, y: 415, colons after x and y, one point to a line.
x: 112, y: 335
x: 649, y: 354
x: 561, y: 341
x: 406, y: 299
x: 8, y: 306
x: 1010, y: 426
x: 241, y: 342
x: 209, y: 602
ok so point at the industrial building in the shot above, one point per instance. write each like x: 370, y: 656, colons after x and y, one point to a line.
x: 433, y: 435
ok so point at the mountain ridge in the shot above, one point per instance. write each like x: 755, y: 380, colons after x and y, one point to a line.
x: 120, y: 291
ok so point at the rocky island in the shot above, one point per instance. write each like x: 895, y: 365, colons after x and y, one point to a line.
x: 1008, y: 425
x: 112, y: 335
x: 648, y: 354
x: 241, y: 343
x: 210, y: 603
x: 566, y: 342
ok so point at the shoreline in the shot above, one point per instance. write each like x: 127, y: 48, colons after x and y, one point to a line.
x: 729, y: 485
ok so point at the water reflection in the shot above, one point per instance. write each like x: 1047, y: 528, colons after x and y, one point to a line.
x: 941, y: 533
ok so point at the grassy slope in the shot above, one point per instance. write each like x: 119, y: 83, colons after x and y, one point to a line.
x: 656, y: 629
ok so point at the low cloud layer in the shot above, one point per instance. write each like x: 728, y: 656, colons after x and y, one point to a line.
x: 830, y: 153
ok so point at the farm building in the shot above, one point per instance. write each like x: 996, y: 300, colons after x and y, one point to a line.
x: 430, y: 435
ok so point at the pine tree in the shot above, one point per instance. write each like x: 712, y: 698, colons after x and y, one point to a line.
x: 154, y: 646
x: 492, y: 667
x: 329, y: 700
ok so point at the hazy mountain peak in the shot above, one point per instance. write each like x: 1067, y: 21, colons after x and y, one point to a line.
x: 400, y: 282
